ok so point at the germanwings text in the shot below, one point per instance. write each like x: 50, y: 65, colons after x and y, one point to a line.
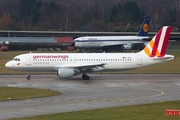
x: 50, y: 56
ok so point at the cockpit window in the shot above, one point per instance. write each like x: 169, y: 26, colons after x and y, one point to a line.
x: 16, y: 59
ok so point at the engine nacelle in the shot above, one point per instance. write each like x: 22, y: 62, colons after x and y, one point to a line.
x: 65, y: 72
x: 127, y: 47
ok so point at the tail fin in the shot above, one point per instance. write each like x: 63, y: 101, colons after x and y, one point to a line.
x: 145, y: 27
x: 158, y: 45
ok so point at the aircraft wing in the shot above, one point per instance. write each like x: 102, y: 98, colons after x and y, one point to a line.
x: 84, y: 67
x: 118, y: 45
x: 121, y: 44
x: 111, y: 44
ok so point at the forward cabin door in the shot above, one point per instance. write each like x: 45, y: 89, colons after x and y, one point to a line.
x: 28, y: 60
x: 139, y: 60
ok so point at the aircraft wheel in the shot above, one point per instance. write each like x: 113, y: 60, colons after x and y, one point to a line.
x: 28, y: 77
x: 85, y: 77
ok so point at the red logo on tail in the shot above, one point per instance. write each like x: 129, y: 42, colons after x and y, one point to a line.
x: 158, y: 45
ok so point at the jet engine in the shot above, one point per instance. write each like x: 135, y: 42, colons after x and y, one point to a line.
x: 65, y: 72
x: 127, y: 47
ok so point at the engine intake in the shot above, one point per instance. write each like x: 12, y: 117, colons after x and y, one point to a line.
x: 65, y: 72
x: 127, y: 47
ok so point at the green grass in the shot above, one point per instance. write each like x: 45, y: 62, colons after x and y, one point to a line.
x: 24, y: 93
x: 154, y: 111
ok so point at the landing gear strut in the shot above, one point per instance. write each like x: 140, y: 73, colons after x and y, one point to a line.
x: 29, y: 76
x: 85, y: 77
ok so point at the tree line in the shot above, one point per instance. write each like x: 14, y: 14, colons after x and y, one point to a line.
x: 86, y: 15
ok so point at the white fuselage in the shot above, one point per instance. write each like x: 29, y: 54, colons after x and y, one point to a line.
x: 53, y: 61
x: 105, y: 41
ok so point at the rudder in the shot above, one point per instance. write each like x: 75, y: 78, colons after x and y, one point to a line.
x: 158, y: 45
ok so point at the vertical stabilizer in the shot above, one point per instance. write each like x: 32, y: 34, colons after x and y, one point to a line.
x: 158, y: 45
x: 145, y: 27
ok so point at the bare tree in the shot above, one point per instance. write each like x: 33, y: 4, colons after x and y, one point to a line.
x: 5, y: 21
x: 177, y: 9
x: 157, y: 14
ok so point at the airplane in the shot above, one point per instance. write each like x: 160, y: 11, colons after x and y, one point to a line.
x: 70, y: 64
x: 114, y: 42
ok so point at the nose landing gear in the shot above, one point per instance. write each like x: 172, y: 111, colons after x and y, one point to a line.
x: 29, y: 76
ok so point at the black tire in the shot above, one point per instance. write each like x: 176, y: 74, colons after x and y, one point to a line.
x: 28, y: 77
x: 85, y: 77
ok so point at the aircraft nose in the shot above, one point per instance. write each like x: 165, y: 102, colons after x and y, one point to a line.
x: 73, y: 43
x: 8, y: 65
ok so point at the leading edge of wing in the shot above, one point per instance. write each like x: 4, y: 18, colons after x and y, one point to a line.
x: 81, y: 65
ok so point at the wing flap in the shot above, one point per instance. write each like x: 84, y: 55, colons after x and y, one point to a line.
x: 121, y: 44
x: 82, y: 66
x: 111, y: 44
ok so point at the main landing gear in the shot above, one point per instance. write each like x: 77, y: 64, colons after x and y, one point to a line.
x: 85, y: 77
x: 29, y: 76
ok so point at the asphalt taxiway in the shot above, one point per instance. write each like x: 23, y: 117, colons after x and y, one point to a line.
x: 102, y: 91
